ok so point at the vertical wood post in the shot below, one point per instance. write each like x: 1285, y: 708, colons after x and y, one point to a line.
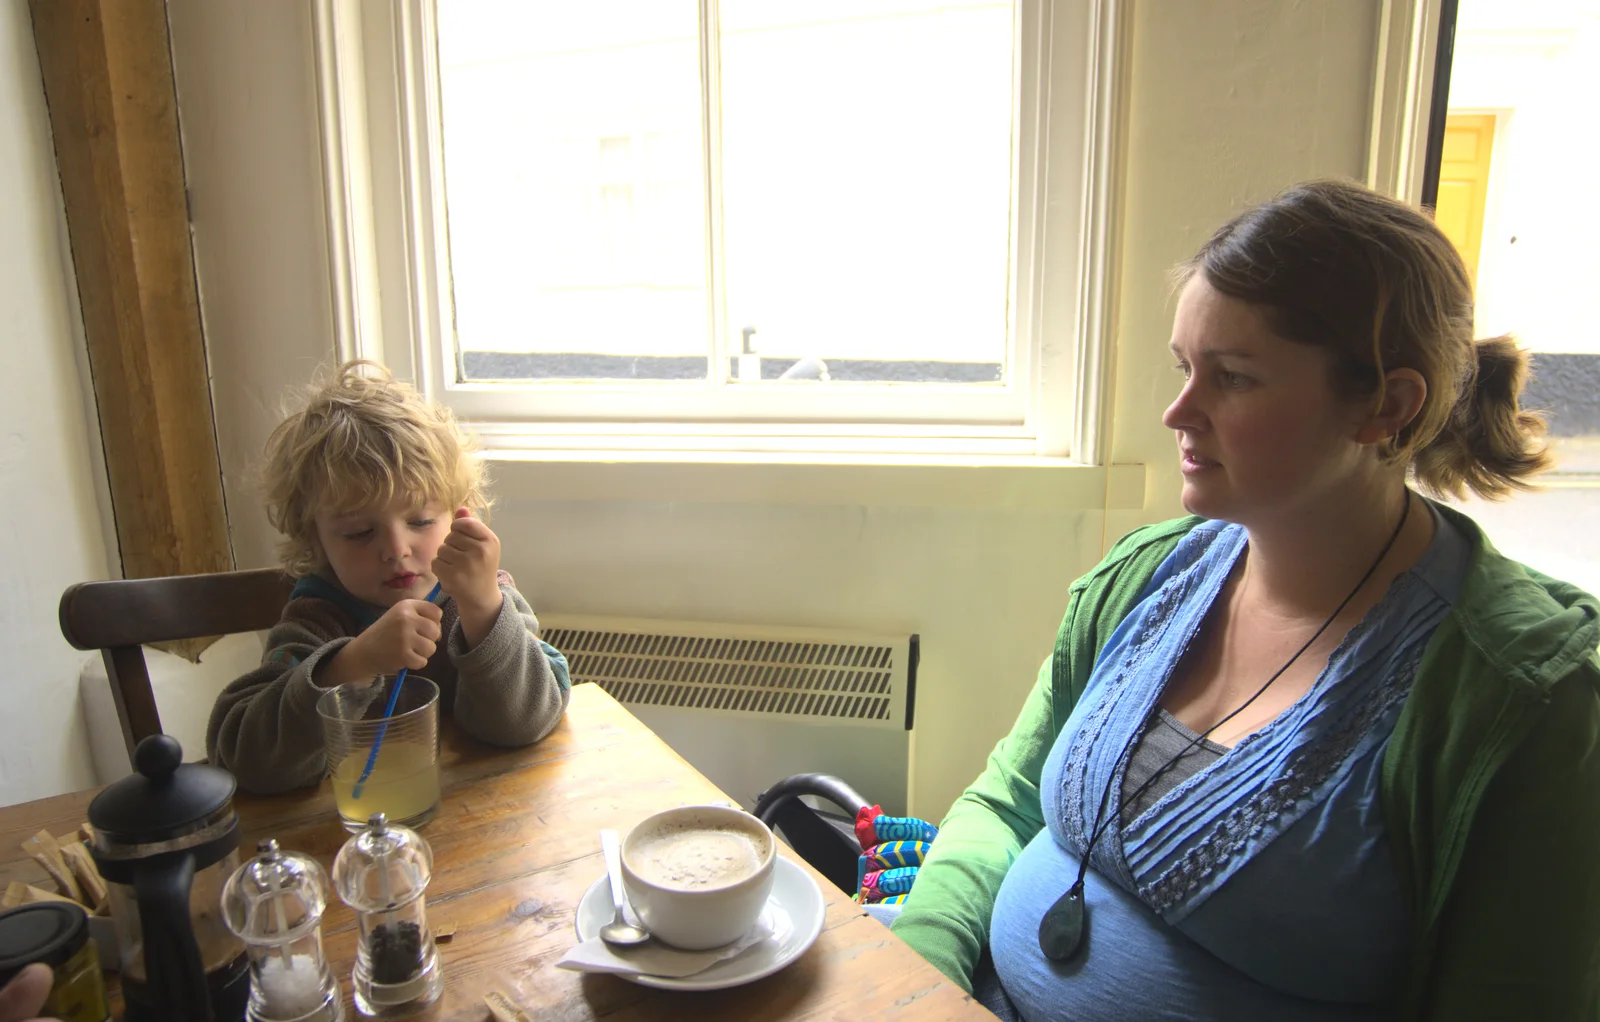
x: 108, y: 84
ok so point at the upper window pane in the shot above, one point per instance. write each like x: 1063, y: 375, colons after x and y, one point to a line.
x: 573, y: 185
x: 866, y: 172
x: 861, y: 173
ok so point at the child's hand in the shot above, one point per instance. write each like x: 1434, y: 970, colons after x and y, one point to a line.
x: 467, y: 567
x: 468, y: 563
x: 405, y: 636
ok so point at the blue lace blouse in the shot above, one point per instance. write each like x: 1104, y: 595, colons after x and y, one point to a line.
x: 1260, y: 887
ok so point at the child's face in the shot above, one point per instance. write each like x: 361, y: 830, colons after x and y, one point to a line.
x: 383, y: 553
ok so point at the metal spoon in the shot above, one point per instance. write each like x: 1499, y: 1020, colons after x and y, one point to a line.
x: 618, y: 931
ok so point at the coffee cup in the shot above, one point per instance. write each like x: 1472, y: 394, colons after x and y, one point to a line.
x: 698, y: 876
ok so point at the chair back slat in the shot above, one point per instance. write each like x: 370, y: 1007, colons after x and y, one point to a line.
x: 132, y: 612
x: 131, y: 693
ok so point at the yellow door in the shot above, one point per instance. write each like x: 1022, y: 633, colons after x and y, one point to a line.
x: 1464, y: 183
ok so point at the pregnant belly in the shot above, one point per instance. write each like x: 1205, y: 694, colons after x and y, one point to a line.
x: 1132, y: 965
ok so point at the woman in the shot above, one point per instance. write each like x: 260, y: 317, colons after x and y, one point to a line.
x: 1332, y: 755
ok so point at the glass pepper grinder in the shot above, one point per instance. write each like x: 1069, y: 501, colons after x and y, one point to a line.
x: 382, y: 873
x: 274, y: 903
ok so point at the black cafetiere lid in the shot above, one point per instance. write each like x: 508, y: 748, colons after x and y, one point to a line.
x: 164, y: 799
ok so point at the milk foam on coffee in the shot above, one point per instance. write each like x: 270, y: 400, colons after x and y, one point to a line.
x: 695, y: 858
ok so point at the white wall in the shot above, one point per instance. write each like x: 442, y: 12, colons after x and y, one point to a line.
x: 247, y: 113
x: 50, y: 525
x: 1232, y: 100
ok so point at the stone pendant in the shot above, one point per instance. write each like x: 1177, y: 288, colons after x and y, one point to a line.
x: 1061, y: 929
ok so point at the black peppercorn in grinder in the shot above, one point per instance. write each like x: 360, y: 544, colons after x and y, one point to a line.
x: 166, y: 840
x: 382, y: 872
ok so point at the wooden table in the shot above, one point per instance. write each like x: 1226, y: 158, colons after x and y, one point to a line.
x: 516, y: 844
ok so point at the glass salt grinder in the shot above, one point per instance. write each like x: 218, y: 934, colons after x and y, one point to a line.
x: 382, y: 873
x: 274, y: 903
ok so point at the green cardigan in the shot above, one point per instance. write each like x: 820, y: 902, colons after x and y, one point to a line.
x: 1491, y: 791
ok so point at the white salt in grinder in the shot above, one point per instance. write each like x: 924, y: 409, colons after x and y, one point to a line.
x: 274, y: 903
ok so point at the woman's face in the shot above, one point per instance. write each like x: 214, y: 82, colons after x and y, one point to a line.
x: 1260, y: 432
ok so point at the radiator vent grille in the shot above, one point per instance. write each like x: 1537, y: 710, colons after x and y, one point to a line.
x: 838, y: 681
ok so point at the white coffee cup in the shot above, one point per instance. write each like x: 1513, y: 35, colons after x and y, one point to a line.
x: 698, y: 876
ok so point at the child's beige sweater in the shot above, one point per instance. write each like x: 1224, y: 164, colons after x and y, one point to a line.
x: 509, y: 689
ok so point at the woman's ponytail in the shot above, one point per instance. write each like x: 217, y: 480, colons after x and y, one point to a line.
x: 1489, y: 444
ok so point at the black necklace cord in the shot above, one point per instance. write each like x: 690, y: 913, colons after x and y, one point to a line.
x: 1098, y: 829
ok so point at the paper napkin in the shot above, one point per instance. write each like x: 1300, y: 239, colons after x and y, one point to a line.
x: 654, y: 958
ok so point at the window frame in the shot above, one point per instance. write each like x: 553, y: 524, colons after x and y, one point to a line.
x: 1402, y: 97
x: 378, y: 97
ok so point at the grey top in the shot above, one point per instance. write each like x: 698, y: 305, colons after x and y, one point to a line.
x: 1163, y: 739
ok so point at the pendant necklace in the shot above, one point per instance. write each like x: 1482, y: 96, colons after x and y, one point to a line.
x: 1061, y: 929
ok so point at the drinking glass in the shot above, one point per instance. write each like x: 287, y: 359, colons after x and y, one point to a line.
x: 404, y: 782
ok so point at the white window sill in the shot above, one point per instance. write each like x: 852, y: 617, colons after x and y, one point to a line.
x: 1014, y: 483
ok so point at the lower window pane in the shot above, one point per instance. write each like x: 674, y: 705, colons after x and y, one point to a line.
x: 1552, y: 528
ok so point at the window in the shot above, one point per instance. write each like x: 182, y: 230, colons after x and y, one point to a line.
x: 1520, y: 83
x: 755, y: 223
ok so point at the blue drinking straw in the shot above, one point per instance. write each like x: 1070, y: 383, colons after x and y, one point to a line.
x: 388, y: 711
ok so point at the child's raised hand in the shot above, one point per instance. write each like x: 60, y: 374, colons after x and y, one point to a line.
x: 467, y: 567
x: 468, y: 563
x: 405, y: 636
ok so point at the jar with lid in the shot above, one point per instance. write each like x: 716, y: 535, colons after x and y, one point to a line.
x: 274, y: 903
x: 382, y: 873
x: 56, y: 934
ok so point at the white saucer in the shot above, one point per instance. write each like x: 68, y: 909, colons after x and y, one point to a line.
x: 794, y: 910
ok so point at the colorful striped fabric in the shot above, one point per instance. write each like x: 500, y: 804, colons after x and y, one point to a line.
x: 881, y: 883
x: 896, y: 853
x: 873, y: 828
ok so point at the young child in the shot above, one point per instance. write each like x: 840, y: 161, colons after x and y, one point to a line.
x: 371, y: 487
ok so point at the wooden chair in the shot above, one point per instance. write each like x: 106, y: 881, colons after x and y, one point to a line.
x: 119, y: 617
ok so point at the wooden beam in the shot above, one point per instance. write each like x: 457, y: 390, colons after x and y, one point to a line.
x: 108, y: 84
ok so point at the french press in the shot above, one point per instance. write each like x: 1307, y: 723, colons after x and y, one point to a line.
x: 166, y: 840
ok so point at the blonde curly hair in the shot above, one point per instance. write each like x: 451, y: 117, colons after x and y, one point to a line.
x: 356, y: 439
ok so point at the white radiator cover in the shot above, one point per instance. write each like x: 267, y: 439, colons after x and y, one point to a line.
x: 747, y: 705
